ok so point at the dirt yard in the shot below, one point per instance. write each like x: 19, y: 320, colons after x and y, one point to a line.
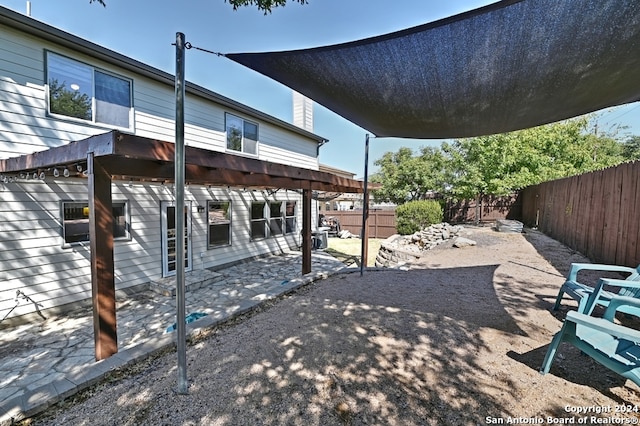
x: 457, y: 340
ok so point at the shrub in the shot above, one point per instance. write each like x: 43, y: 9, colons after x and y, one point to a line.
x: 416, y: 215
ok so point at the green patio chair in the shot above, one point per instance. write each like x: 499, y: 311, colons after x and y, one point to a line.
x: 615, y: 346
x: 587, y: 296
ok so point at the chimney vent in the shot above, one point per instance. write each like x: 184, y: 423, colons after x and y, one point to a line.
x: 302, y: 111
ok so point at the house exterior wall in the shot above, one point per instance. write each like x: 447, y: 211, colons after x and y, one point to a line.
x: 27, y: 127
x: 35, y: 261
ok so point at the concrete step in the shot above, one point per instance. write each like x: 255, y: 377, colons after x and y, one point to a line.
x: 193, y: 280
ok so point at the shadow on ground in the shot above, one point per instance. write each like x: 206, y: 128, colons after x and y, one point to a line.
x: 393, y: 347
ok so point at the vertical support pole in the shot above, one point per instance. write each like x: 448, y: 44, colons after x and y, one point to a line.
x: 180, y: 225
x: 365, y: 210
x: 306, y: 231
x: 103, y: 292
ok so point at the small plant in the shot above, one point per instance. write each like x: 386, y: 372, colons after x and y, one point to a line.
x: 416, y: 215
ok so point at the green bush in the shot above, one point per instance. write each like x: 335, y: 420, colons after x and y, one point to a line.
x: 416, y: 215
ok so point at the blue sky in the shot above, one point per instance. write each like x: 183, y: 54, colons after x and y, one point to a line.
x: 145, y: 29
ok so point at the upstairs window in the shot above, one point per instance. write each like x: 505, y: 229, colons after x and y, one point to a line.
x: 242, y: 135
x: 80, y: 91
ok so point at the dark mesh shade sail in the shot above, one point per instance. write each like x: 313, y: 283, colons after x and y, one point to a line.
x: 508, y: 66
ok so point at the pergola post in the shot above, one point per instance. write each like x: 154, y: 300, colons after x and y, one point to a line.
x: 306, y: 231
x: 364, y: 252
x: 102, y: 266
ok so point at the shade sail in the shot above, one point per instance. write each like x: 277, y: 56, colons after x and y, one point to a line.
x: 507, y: 66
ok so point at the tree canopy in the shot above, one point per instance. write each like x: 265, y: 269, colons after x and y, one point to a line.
x: 262, y: 5
x: 500, y: 164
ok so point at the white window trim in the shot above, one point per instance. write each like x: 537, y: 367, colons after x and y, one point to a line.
x: 230, y: 220
x: 127, y: 226
x: 242, y: 151
x: 294, y: 217
x: 93, y: 121
x: 267, y: 220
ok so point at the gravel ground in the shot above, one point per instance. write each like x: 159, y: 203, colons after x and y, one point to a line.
x: 457, y: 340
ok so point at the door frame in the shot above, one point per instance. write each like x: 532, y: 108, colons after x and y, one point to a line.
x: 164, y: 206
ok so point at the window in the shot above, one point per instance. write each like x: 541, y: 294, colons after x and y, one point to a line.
x: 290, y: 217
x: 75, y: 221
x: 279, y: 222
x: 258, y: 221
x: 80, y: 91
x: 242, y: 135
x: 275, y: 221
x: 219, y: 214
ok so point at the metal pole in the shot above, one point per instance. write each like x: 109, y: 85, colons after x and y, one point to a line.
x: 179, y: 216
x: 365, y: 206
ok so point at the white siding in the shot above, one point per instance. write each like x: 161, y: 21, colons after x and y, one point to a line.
x: 34, y: 260
x: 25, y: 126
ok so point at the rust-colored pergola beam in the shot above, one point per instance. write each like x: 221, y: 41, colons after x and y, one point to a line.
x: 131, y: 157
x: 130, y: 146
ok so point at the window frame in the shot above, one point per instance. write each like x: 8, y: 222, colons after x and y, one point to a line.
x: 254, y: 221
x: 84, y: 221
x: 276, y: 222
x: 94, y: 101
x: 290, y: 229
x: 227, y: 118
x: 274, y: 226
x: 227, y: 221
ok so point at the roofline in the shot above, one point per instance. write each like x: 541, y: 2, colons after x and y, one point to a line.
x: 334, y: 170
x: 47, y: 32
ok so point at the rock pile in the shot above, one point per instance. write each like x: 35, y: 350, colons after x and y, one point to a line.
x: 397, y: 250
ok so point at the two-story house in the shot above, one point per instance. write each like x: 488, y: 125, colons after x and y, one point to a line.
x: 85, y: 130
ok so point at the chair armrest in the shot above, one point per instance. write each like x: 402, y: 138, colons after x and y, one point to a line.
x: 620, y: 283
x: 602, y: 325
x: 599, y: 289
x: 618, y: 301
x: 576, y: 267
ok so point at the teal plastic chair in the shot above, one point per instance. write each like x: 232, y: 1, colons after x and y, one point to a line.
x: 587, y: 296
x: 612, y: 345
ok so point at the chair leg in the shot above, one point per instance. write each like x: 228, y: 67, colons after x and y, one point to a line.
x: 551, y: 352
x: 558, y: 300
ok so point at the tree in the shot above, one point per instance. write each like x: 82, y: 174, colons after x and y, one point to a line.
x: 263, y: 5
x: 405, y: 177
x: 500, y: 164
x: 631, y: 148
x: 68, y: 102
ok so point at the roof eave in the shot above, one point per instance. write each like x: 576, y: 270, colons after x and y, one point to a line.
x: 55, y: 35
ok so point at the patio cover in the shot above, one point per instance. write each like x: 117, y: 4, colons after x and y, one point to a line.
x: 511, y: 65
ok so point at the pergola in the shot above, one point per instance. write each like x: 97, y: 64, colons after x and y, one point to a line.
x: 119, y: 156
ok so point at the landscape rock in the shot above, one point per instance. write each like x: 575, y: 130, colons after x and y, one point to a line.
x: 463, y: 242
x: 399, y: 249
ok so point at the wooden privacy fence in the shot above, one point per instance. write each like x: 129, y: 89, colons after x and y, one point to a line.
x: 487, y: 209
x: 382, y: 223
x: 595, y: 214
